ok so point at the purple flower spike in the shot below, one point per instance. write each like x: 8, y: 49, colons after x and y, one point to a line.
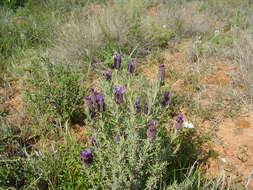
x: 93, y: 95
x: 93, y: 140
x: 89, y: 103
x: 179, y: 121
x: 161, y: 73
x: 119, y: 94
x: 87, y: 157
x: 166, y: 98
x: 91, y: 90
x: 151, y: 132
x: 107, y: 75
x: 100, y: 102
x: 131, y: 67
x: 117, y: 61
x: 137, y: 105
x: 146, y: 107
x: 117, y: 136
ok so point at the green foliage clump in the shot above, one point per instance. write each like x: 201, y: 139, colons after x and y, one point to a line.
x: 159, y: 34
x: 54, y: 91
x: 223, y: 40
x: 132, y: 160
x: 12, y: 4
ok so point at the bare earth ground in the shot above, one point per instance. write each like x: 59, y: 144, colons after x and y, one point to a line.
x: 232, y: 137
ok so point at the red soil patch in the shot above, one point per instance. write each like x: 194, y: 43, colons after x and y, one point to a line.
x: 234, y: 142
x: 220, y: 75
x: 80, y: 133
x: 154, y: 11
x: 219, y: 79
x: 178, y: 60
x: 14, y: 104
x: 150, y: 72
x: 243, y: 123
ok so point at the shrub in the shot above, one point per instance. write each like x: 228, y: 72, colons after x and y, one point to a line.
x: 54, y: 91
x: 124, y: 155
x: 59, y: 168
x: 12, y: 4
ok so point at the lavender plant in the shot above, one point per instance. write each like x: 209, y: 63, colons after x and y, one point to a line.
x: 87, y: 157
x: 107, y: 75
x: 179, y: 121
x: 134, y: 150
x: 166, y: 97
x: 117, y: 61
x: 131, y: 67
x: 89, y: 104
x: 101, y: 102
x: 119, y: 94
x: 151, y: 131
x: 137, y: 105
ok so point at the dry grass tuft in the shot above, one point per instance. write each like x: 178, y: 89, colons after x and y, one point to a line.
x: 84, y: 36
x: 243, y: 57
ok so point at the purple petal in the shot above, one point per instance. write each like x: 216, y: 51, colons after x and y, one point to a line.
x: 152, y: 129
x: 131, y: 67
x: 137, y: 105
x: 87, y: 157
x: 119, y: 89
x: 179, y: 121
x: 107, y: 75
x: 180, y: 116
x: 117, y: 61
x: 100, y: 97
x: 90, y: 90
x: 119, y: 94
x: 166, y: 97
x: 90, y: 105
x: 101, y: 102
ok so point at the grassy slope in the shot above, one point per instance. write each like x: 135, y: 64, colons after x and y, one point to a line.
x: 58, y: 50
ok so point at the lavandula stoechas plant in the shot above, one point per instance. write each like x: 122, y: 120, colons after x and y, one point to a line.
x: 107, y: 75
x: 95, y: 101
x: 117, y: 61
x: 151, y: 131
x: 119, y: 94
x: 90, y: 105
x: 131, y: 67
x: 161, y: 74
x: 166, y: 98
x: 101, y: 102
x: 137, y: 105
x: 179, y: 121
x: 87, y: 157
x: 93, y: 95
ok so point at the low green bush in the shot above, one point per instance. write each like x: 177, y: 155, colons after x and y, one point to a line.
x: 12, y: 4
x: 54, y: 91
